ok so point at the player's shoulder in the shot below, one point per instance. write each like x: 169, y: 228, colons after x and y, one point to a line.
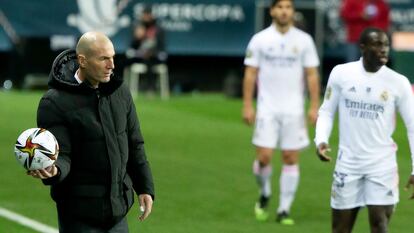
x: 395, y: 76
x: 262, y: 38
x: 53, y: 94
x: 345, y: 67
x: 393, y: 73
x: 341, y: 71
x: 299, y: 33
x: 124, y: 93
x: 264, y: 33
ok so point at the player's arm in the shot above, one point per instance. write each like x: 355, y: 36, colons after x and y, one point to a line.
x: 326, y: 117
x: 405, y: 104
x: 145, y: 202
x: 249, y: 84
x: 138, y: 167
x: 312, y: 77
x: 50, y: 117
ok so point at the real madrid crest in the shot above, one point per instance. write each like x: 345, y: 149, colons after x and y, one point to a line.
x: 384, y: 96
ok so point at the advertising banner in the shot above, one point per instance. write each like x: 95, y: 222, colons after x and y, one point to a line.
x: 192, y: 27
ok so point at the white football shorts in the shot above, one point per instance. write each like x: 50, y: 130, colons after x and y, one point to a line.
x: 357, y: 190
x: 287, y: 132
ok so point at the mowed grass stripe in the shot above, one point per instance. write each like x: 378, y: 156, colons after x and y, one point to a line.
x: 27, y: 222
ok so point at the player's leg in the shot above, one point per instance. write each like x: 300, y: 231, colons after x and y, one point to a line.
x: 289, y: 181
x: 262, y: 169
x: 381, y: 194
x: 379, y: 217
x: 344, y: 220
x: 264, y: 139
x: 347, y: 196
x: 293, y: 138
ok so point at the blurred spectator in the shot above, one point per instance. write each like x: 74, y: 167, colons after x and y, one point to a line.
x: 357, y: 16
x: 147, y: 46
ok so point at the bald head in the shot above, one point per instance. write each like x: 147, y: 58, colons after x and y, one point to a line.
x: 90, y: 42
x: 95, y: 53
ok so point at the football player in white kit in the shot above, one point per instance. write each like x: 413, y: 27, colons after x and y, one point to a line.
x: 367, y: 95
x: 279, y: 58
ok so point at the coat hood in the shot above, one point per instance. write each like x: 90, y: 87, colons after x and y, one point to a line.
x: 63, y: 71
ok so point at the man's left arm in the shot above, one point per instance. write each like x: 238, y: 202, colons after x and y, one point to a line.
x: 312, y: 78
x: 405, y: 104
x: 138, y: 167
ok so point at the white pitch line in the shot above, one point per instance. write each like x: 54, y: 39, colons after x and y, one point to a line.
x: 30, y: 223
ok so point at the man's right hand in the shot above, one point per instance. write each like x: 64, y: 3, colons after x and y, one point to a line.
x: 145, y: 202
x: 46, y: 173
x: 249, y: 115
x: 409, y: 184
x: 322, y: 152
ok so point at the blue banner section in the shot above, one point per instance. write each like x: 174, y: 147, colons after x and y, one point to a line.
x: 192, y: 27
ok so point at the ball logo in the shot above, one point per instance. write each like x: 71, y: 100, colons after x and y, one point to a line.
x: 100, y: 15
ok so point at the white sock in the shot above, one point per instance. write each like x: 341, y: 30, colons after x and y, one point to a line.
x: 289, y: 180
x: 263, y: 174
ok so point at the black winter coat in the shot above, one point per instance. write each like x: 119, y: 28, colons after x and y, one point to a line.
x: 101, y: 147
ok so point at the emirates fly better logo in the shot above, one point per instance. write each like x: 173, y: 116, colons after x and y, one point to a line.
x: 100, y: 15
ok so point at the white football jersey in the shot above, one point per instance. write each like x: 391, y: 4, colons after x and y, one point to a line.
x: 367, y: 104
x: 281, y: 59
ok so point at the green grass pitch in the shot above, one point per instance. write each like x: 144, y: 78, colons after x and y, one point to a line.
x: 201, y: 157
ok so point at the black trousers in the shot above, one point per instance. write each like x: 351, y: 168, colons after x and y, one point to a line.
x: 70, y: 224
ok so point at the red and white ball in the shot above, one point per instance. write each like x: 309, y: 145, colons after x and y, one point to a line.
x: 36, y: 148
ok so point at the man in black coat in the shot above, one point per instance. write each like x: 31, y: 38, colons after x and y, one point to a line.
x: 102, y: 157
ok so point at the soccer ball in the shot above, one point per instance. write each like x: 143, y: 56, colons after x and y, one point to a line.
x: 36, y: 148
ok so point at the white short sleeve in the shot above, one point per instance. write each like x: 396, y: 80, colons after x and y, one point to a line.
x: 310, y: 55
x: 252, y: 57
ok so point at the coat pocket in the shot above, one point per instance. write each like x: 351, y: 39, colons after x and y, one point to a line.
x: 128, y: 192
